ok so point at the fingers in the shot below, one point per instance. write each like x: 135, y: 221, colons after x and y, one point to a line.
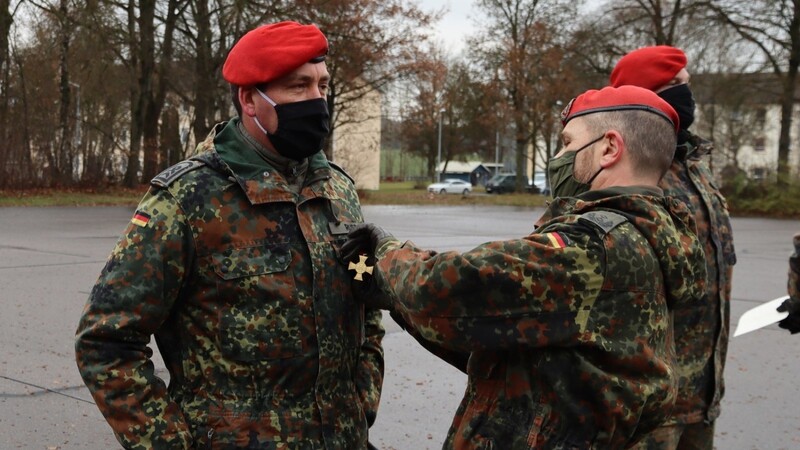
x: 359, y: 230
x: 791, y: 305
x: 359, y: 240
x: 352, y: 248
x: 791, y: 323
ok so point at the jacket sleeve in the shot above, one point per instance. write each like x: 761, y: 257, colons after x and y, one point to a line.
x: 500, y: 295
x: 132, y: 298
x: 454, y: 358
x: 369, y: 379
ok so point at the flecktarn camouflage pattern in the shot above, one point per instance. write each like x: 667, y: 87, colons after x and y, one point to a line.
x: 702, y: 328
x: 568, y: 329
x: 241, y: 283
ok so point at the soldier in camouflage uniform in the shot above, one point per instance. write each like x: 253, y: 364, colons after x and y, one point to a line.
x: 792, y: 304
x: 232, y: 262
x: 568, y: 329
x: 702, y: 328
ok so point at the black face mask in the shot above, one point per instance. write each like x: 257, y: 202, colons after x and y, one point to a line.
x: 680, y: 97
x: 302, y: 127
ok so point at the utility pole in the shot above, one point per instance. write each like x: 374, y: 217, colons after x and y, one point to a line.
x: 496, y: 151
x: 439, y: 155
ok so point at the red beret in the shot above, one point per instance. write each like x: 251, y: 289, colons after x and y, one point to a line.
x: 648, y: 67
x: 623, y: 98
x: 272, y: 51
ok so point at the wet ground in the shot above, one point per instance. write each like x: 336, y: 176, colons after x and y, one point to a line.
x: 50, y: 258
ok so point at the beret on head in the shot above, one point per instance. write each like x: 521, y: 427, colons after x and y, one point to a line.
x: 623, y: 98
x: 271, y: 51
x: 648, y: 67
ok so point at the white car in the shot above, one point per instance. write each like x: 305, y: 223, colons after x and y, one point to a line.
x: 540, y: 181
x: 451, y: 186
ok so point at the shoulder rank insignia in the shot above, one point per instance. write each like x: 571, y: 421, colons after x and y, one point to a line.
x: 168, y: 176
x: 340, y: 170
x: 603, y: 220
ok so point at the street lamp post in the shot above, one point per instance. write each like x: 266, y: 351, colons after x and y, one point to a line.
x: 439, y: 153
x: 496, y: 151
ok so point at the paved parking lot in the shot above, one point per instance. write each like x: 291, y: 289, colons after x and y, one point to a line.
x: 50, y: 258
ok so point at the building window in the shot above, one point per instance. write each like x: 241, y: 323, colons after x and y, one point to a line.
x: 761, y: 118
x: 758, y: 144
x: 758, y: 173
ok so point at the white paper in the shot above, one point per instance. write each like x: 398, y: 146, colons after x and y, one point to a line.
x: 761, y: 316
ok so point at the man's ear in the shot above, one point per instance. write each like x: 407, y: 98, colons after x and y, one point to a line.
x: 613, y: 150
x: 246, y: 100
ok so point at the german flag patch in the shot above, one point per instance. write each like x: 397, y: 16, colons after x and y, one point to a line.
x: 556, y: 240
x: 140, y: 218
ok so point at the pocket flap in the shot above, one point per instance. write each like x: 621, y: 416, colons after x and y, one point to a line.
x: 251, y: 261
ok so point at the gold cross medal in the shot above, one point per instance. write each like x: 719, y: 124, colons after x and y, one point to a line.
x: 360, y: 267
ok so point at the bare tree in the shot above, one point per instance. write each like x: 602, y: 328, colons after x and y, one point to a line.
x: 61, y: 157
x: 514, y: 41
x: 372, y: 43
x: 659, y: 22
x: 154, y: 92
x: 424, y: 105
x: 774, y: 27
x: 63, y: 168
x: 6, y: 20
x: 207, y: 31
x: 732, y: 111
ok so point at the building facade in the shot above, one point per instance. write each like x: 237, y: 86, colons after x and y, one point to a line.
x: 741, y: 114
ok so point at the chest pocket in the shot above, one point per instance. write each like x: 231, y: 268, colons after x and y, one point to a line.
x: 261, y: 318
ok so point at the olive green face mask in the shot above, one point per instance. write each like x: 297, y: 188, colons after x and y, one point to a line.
x: 561, y: 174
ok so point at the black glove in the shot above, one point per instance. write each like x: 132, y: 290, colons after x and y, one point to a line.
x: 363, y: 239
x: 792, y: 322
x: 792, y: 304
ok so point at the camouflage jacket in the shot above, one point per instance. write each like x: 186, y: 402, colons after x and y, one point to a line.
x: 568, y: 329
x: 241, y: 283
x: 701, y: 330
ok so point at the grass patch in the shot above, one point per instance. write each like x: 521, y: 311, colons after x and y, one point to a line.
x: 406, y: 193
x: 745, y: 198
x: 72, y: 197
x: 763, y: 199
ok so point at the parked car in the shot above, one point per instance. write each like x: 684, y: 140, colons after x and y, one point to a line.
x: 540, y: 182
x: 505, y: 182
x: 451, y: 186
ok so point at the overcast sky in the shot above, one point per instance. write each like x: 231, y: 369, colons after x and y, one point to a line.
x: 457, y: 23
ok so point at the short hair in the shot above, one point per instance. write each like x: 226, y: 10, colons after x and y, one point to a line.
x: 650, y: 139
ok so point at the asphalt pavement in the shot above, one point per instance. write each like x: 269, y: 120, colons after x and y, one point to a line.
x: 50, y: 258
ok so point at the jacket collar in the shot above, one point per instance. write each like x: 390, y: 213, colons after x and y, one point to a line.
x: 260, y: 180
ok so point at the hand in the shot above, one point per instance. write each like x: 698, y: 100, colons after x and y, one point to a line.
x: 792, y: 305
x: 791, y: 323
x: 796, y: 241
x: 363, y: 240
x: 368, y: 293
